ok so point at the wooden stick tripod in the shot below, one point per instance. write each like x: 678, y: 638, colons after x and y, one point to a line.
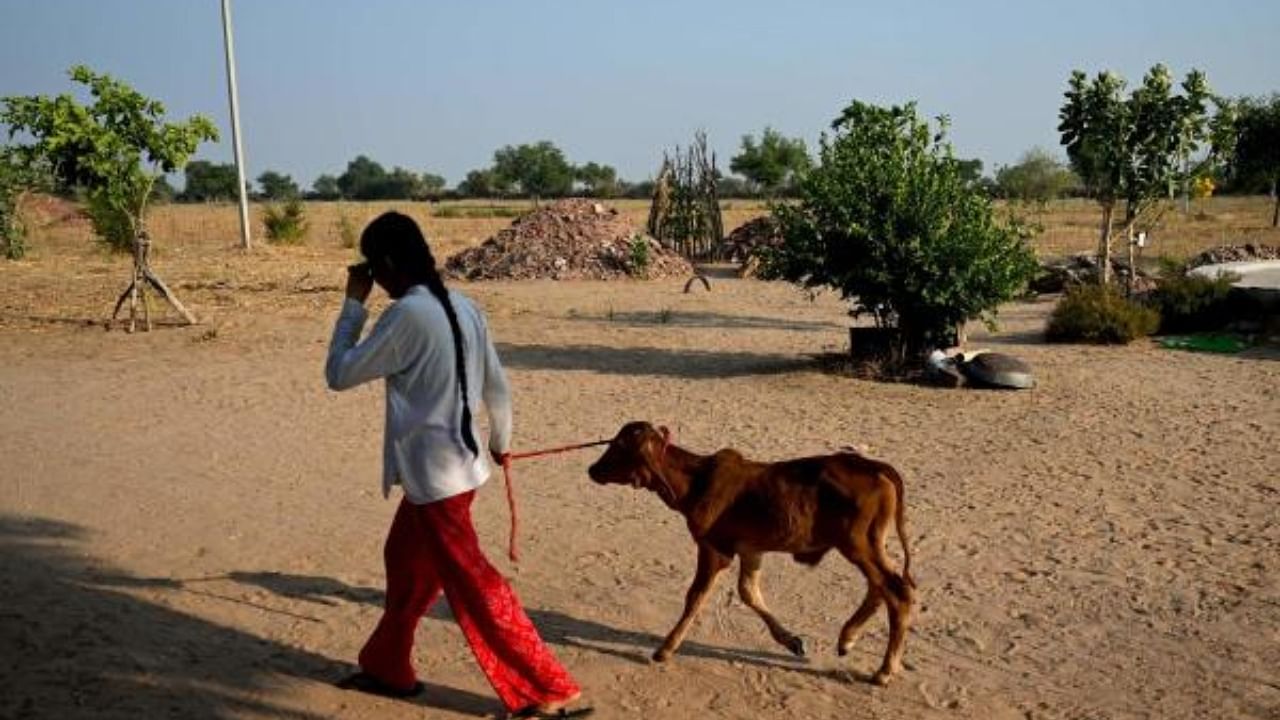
x: 137, y: 290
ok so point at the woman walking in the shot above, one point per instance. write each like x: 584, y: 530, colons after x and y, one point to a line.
x: 432, y: 347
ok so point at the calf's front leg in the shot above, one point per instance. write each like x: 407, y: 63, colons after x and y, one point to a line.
x: 710, y: 564
x: 749, y: 591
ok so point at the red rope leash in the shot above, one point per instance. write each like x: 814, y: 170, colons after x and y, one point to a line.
x: 557, y: 450
x: 511, y: 493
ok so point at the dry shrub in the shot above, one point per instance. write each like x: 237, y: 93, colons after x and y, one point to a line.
x: 1100, y: 314
x: 286, y: 224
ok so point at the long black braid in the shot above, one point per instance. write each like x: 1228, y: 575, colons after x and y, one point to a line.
x: 396, y: 239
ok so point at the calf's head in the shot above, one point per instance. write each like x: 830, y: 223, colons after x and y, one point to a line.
x: 633, y: 457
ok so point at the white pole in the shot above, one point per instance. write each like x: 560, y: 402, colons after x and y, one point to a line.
x: 229, y: 45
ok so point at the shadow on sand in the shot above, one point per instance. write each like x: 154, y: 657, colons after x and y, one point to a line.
x: 555, y: 627
x: 78, y: 642
x: 682, y: 318
x: 691, y: 364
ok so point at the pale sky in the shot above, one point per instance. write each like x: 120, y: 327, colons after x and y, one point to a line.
x: 439, y: 86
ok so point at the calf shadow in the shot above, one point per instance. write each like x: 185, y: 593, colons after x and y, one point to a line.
x: 555, y: 627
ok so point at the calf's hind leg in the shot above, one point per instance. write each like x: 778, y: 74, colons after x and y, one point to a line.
x: 710, y: 564
x: 749, y: 591
x: 853, y: 628
x: 885, y: 582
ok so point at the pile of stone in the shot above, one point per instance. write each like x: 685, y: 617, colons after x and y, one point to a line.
x: 571, y: 239
x: 1235, y: 253
x: 745, y: 243
x: 1057, y: 275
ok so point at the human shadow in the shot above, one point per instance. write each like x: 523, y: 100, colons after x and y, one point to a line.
x: 84, y: 640
x: 682, y: 318
x: 555, y: 627
x: 691, y: 364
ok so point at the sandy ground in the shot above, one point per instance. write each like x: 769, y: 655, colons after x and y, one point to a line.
x: 190, y: 523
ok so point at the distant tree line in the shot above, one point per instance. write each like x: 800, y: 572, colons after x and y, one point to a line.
x: 768, y: 166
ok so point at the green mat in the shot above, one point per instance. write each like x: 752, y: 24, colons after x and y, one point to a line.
x: 1207, y: 342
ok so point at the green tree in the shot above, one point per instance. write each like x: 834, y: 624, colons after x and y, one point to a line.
x: 399, y: 184
x: 1255, y: 161
x: 1038, y: 177
x: 886, y: 219
x: 970, y: 171
x: 207, y: 181
x: 773, y: 163
x: 326, y: 187
x: 16, y: 178
x: 163, y: 191
x: 1137, y: 149
x: 729, y: 186
x: 363, y: 179
x: 277, y: 186
x: 597, y: 180
x: 539, y: 170
x: 114, y: 150
x: 479, y: 184
x: 432, y: 184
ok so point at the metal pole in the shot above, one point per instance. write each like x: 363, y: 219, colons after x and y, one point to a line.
x: 229, y: 45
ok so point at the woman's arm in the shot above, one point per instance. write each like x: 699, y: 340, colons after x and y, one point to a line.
x: 497, y: 398
x: 350, y: 364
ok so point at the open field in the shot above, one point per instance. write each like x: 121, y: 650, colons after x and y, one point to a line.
x: 190, y: 523
x: 1069, y: 226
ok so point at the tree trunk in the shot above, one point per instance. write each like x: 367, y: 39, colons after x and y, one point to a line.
x: 1133, y: 265
x: 1275, y: 210
x: 1104, y: 247
x: 137, y: 291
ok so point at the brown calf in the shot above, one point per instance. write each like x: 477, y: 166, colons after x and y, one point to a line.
x: 804, y: 507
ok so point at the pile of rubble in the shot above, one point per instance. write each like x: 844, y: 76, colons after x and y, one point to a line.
x: 572, y: 239
x: 1235, y: 253
x: 1057, y: 275
x: 43, y: 210
x: 744, y: 244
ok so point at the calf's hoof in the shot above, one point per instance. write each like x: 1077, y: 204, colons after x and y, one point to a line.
x: 661, y: 655
x: 881, y: 678
x: 796, y: 645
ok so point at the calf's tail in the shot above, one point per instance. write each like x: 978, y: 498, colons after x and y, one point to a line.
x: 901, y: 520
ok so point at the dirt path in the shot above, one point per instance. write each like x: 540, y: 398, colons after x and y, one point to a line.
x: 1101, y: 547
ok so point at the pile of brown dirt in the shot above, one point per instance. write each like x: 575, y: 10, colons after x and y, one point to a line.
x: 572, y: 239
x: 1235, y: 253
x: 46, y: 210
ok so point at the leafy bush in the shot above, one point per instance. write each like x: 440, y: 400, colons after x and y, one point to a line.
x: 13, y: 234
x: 112, y: 224
x: 887, y: 219
x: 286, y: 224
x: 1192, y: 303
x: 1099, y: 314
x: 347, y: 231
x: 639, y: 256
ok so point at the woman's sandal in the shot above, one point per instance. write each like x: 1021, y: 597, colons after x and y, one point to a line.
x: 366, y: 683
x: 533, y: 712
